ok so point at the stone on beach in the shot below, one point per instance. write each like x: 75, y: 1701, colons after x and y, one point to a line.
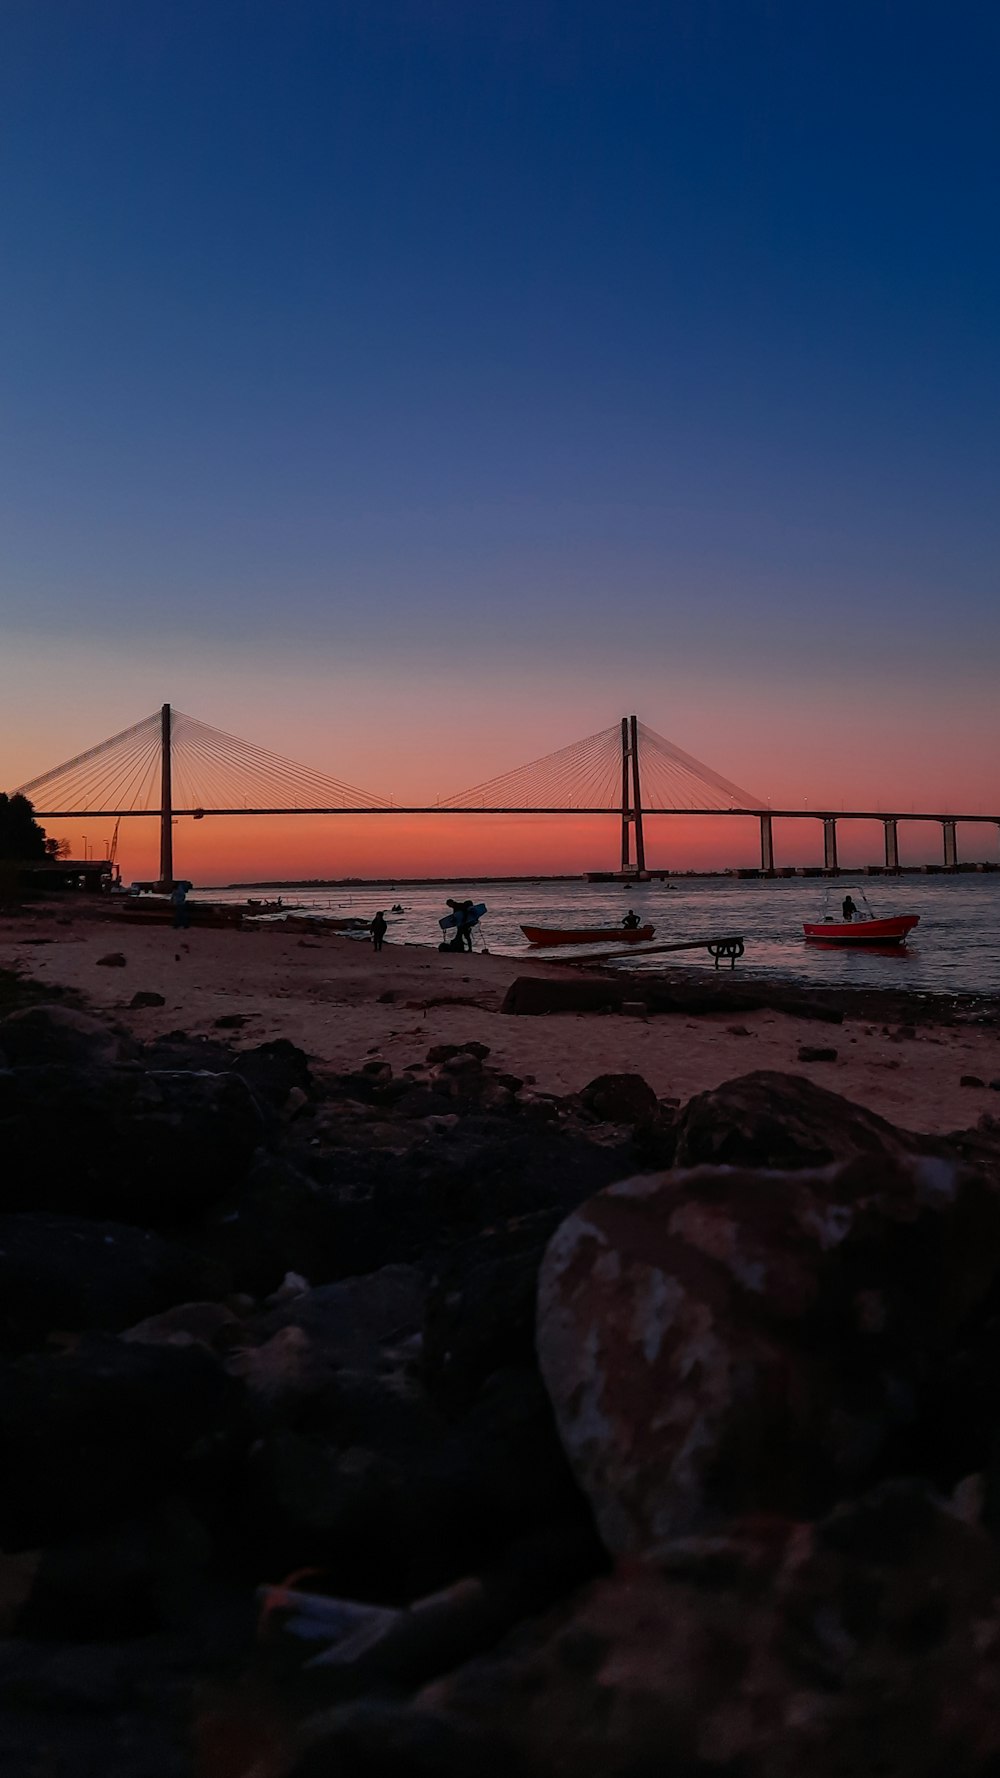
x: 725, y: 1341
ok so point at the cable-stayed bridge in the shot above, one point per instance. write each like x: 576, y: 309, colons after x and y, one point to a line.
x: 171, y: 765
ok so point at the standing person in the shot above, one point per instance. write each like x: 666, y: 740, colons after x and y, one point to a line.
x: 849, y: 909
x: 466, y: 923
x: 178, y: 896
x: 378, y: 929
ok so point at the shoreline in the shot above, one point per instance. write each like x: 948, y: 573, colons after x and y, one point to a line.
x: 901, y: 1054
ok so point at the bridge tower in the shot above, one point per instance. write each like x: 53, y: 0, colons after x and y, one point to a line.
x: 631, y: 799
x: 166, y: 804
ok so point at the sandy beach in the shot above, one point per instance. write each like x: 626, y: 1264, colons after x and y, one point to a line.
x: 331, y: 996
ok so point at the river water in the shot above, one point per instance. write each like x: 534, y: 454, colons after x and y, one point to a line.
x: 955, y: 949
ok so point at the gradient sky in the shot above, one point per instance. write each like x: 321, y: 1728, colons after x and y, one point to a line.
x: 412, y: 386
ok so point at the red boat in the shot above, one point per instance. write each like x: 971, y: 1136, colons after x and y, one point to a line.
x: 586, y: 935
x: 865, y: 931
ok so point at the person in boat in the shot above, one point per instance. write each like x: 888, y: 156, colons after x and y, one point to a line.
x: 849, y: 908
x: 378, y: 928
x: 631, y: 922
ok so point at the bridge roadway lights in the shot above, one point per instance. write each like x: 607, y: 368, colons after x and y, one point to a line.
x: 891, y: 843
x: 950, y: 845
x: 766, y: 846
x: 829, y: 843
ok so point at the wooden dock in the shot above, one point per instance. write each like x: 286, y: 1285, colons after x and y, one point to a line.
x: 728, y: 948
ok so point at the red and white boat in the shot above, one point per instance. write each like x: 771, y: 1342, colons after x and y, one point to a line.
x: 863, y: 929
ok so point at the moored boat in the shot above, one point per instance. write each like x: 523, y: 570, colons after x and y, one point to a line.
x: 863, y: 931
x: 586, y: 935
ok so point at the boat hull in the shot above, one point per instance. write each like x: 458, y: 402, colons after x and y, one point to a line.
x: 863, y: 932
x: 587, y: 935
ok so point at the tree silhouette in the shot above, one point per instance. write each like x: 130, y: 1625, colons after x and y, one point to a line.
x: 21, y: 838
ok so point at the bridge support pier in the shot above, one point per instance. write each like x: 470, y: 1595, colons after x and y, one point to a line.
x: 766, y: 846
x: 830, y: 843
x: 950, y: 839
x: 891, y: 843
x: 631, y: 798
x: 166, y: 804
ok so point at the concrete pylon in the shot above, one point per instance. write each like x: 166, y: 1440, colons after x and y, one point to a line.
x: 766, y: 846
x: 891, y: 843
x: 830, y: 843
x: 950, y: 839
x: 166, y: 802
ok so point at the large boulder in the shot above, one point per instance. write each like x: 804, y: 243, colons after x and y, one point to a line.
x: 722, y: 1340
x: 39, y: 1034
x: 62, y: 1273
x: 146, y: 1148
x: 766, y: 1119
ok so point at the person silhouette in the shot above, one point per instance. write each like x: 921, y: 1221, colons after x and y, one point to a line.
x: 378, y: 929
x: 631, y: 921
x: 849, y: 908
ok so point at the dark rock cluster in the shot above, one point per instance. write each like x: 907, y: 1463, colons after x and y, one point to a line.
x: 418, y: 1422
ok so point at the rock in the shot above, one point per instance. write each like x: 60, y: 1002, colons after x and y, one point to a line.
x: 537, y: 996
x: 112, y: 960
x: 481, y: 1308
x: 64, y: 1273
x: 739, y: 1031
x: 232, y: 1021
x: 442, y: 1052
x: 146, y: 997
x: 283, y: 1222
x: 94, y: 1434
x: 811, y: 1052
x: 213, y: 1324
x: 995, y: 1086
x: 769, y: 1650
x: 41, y: 1034
x: 723, y: 1341
x: 621, y: 1099
x: 462, y: 1063
x: 273, y: 1069
x: 131, y: 1579
x: 386, y: 1737
x: 144, y: 1148
x: 351, y: 1320
x: 971, y: 1080
x: 766, y: 1119
x: 634, y: 1009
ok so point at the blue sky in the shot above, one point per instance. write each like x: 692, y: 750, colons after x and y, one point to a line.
x: 550, y: 359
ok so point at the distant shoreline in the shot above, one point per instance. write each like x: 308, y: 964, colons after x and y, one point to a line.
x: 789, y: 874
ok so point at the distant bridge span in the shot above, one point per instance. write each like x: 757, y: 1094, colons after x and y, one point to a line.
x: 626, y: 771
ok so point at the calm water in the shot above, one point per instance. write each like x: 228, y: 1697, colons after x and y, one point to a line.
x: 956, y: 947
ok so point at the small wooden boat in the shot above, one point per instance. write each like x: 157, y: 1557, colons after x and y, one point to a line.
x: 864, y: 931
x: 586, y: 935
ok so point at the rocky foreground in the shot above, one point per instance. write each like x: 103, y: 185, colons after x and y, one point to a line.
x: 421, y: 1423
